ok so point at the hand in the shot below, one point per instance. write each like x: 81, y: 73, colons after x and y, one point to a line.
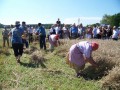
x: 40, y: 34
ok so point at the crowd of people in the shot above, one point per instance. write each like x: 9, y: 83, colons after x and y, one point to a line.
x: 21, y: 35
x: 64, y: 31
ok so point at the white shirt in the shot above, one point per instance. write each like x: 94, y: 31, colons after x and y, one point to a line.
x: 85, y: 48
x: 98, y: 31
x: 57, y: 29
x: 64, y: 28
x: 52, y: 37
x: 115, y: 34
x: 30, y: 30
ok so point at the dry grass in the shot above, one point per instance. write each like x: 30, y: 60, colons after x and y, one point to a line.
x: 107, y: 57
x: 30, y: 50
x: 4, y: 51
x: 112, y: 80
x: 37, y: 58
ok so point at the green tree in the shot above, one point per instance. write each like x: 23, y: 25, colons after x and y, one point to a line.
x: 112, y: 20
x: 1, y: 25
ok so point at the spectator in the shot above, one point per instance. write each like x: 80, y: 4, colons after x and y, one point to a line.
x: 60, y: 32
x: 5, y: 35
x: 89, y: 32
x: 30, y: 33
x: 34, y: 34
x: 94, y: 32
x: 57, y: 28
x: 58, y: 22
x: 11, y: 27
x: 51, y: 31
x: 81, y: 53
x: 65, y: 32
x: 81, y: 31
x: 103, y: 33
x: 108, y: 32
x: 99, y: 33
x: 42, y: 36
x: 74, y: 31
x: 115, y: 34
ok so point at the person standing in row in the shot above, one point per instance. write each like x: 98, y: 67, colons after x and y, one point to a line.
x: 5, y: 35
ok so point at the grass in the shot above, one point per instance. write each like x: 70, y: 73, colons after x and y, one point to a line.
x: 53, y: 73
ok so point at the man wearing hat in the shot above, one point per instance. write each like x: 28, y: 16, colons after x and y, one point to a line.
x: 79, y: 54
x: 16, y: 39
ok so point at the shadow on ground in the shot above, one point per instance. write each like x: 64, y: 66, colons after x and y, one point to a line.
x: 91, y: 73
x: 33, y: 65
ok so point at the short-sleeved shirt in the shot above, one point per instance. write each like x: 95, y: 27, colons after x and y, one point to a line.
x: 5, y: 33
x: 74, y: 29
x: 85, y: 48
x: 41, y: 30
x: 53, y: 37
x: 115, y: 34
x: 16, y: 35
x: 77, y: 51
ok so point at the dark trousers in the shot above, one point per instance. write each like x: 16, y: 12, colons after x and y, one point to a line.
x: 25, y: 42
x: 115, y: 39
x: 18, y: 49
x: 4, y: 40
x: 74, y: 35
x: 30, y: 37
x: 42, y: 42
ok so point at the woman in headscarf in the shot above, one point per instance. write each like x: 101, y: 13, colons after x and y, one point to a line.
x: 81, y: 53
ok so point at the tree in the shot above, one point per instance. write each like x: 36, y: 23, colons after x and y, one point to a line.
x: 112, y: 20
x: 1, y: 25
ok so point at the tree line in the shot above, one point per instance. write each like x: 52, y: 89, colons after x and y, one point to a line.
x: 113, y: 20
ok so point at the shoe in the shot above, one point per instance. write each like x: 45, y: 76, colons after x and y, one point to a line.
x: 18, y: 60
x: 78, y: 75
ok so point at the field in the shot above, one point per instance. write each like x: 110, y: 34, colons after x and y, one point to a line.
x: 43, y: 70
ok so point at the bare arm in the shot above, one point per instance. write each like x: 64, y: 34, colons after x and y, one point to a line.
x: 91, y: 61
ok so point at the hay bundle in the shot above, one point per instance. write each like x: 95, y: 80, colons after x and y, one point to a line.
x: 61, y: 50
x: 112, y: 80
x: 97, y: 73
x: 37, y: 58
x: 4, y: 51
x: 30, y: 50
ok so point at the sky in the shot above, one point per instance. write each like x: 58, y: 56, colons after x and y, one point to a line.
x: 48, y: 11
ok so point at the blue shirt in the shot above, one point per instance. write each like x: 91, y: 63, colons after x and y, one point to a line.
x: 74, y: 29
x: 41, y: 31
x: 16, y: 35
